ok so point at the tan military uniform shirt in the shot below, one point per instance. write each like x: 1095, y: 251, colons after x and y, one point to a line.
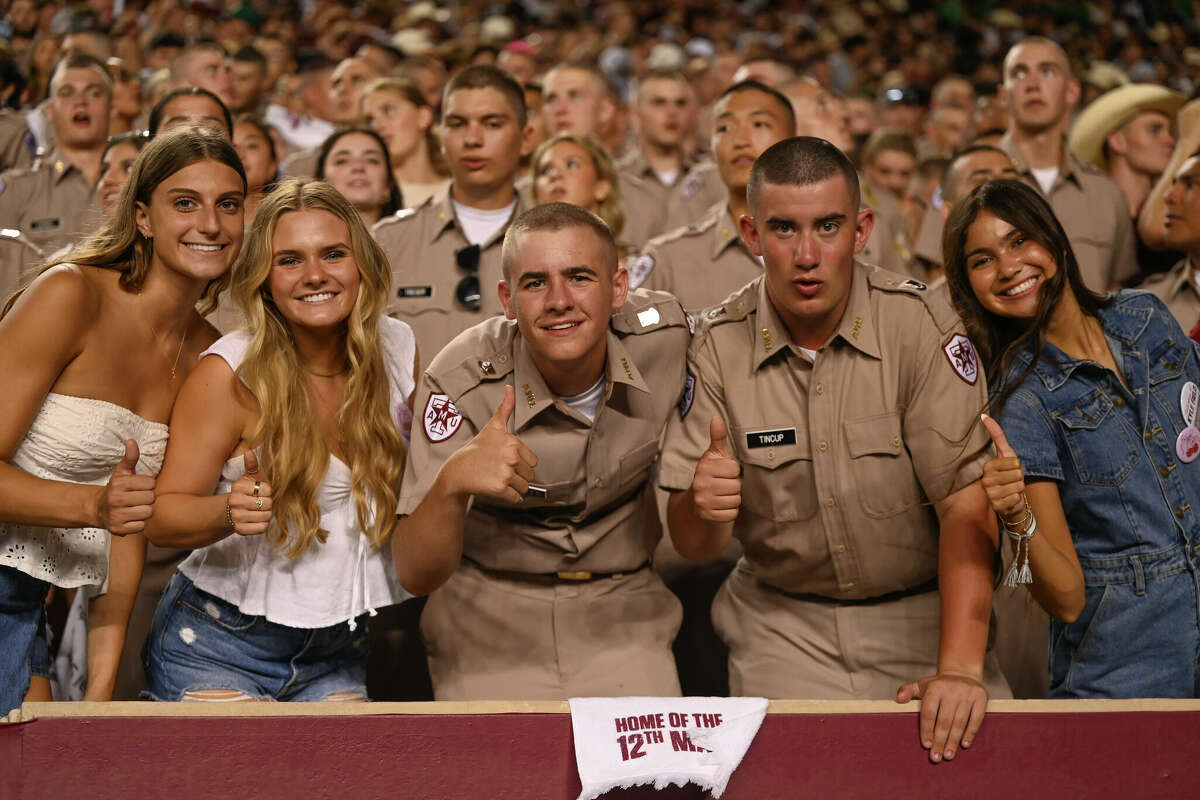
x: 1093, y: 212
x: 421, y: 244
x: 18, y: 147
x: 701, y: 264
x: 302, y: 164
x: 591, y: 507
x: 18, y: 258
x: 653, y: 209
x: 51, y: 203
x: 840, y: 457
x: 889, y: 246
x: 929, y: 239
x: 1179, y: 288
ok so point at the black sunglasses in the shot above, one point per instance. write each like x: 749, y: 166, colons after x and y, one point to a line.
x: 467, y: 290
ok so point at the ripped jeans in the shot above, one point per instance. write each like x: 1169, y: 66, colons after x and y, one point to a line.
x: 199, y: 642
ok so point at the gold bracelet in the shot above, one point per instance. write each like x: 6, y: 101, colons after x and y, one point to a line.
x: 229, y: 516
x: 1022, y: 525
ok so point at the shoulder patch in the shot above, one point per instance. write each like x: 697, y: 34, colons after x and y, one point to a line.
x: 692, y: 184
x: 689, y: 394
x: 441, y: 418
x: 961, y: 355
x: 3, y: 185
x: 643, y: 265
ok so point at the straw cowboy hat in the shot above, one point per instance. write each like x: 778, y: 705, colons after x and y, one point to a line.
x: 1111, y: 110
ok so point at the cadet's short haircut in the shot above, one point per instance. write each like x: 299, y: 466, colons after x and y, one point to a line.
x: 660, y: 74
x: 160, y: 108
x: 178, y: 66
x: 556, y: 217
x: 80, y: 61
x: 250, y: 54
x: 602, y: 82
x: 802, y: 161
x: 486, y: 76
x: 780, y: 98
x: 948, y: 172
x: 887, y: 139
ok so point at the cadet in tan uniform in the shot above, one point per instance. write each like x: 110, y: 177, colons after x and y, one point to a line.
x: 18, y: 257
x: 707, y: 261
x: 545, y: 491
x: 54, y: 202
x: 1180, y: 287
x: 847, y: 398
x: 1041, y: 93
x: 445, y: 254
x: 661, y: 186
x: 18, y: 146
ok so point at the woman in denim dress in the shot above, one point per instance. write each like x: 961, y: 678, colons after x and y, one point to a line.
x: 1097, y: 479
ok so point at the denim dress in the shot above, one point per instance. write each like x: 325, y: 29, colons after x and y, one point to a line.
x: 1132, y: 504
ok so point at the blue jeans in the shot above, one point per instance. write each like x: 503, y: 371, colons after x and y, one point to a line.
x: 1137, y: 635
x: 23, y: 651
x: 200, y: 642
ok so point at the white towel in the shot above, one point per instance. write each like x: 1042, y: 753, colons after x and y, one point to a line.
x: 627, y: 741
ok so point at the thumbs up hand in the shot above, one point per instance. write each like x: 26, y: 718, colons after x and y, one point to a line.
x: 717, y: 484
x: 127, y: 501
x: 250, y: 500
x: 495, y: 463
x: 1003, y: 478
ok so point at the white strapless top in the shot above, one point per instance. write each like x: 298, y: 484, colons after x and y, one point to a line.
x: 78, y: 440
x: 332, y: 581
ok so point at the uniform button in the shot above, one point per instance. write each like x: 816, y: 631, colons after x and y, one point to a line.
x: 896, y: 441
x: 1118, y: 400
x: 820, y: 388
x: 1165, y: 471
x: 503, y: 358
x: 830, y: 502
x: 823, y: 446
x: 598, y: 482
x: 841, y: 548
x: 770, y: 455
x: 849, y: 585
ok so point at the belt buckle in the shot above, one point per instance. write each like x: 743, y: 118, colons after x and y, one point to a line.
x: 573, y: 576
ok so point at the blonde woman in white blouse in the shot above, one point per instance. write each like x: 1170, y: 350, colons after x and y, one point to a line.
x: 283, y: 469
x: 93, y: 353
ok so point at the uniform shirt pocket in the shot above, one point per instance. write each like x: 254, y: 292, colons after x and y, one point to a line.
x: 1101, y: 448
x: 882, y: 471
x: 635, y: 463
x: 777, y: 478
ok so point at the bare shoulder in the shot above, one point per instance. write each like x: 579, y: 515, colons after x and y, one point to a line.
x: 68, y: 294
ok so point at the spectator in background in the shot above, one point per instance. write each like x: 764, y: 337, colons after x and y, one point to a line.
x: 1179, y: 288
x: 396, y: 109
x: 355, y: 162
x: 190, y: 105
x: 1041, y: 94
x: 248, y: 73
x: 205, y: 65
x: 574, y: 169
x: 1127, y: 133
x: 127, y: 98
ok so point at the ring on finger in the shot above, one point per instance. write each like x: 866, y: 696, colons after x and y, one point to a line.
x: 257, y: 486
x: 258, y: 503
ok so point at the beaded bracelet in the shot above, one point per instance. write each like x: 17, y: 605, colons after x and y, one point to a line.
x: 229, y: 516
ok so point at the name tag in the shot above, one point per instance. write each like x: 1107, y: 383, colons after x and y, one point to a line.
x: 774, y: 438
x: 415, y: 291
x: 45, y: 224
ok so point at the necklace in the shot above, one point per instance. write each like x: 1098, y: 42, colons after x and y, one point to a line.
x: 312, y: 371
x: 178, y: 353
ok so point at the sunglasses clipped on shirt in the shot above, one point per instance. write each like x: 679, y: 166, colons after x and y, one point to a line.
x: 467, y: 290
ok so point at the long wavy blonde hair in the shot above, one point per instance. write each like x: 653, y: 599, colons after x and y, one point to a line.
x: 294, y: 454
x: 118, y: 244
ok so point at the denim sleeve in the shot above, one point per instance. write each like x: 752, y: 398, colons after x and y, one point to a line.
x: 1033, y: 435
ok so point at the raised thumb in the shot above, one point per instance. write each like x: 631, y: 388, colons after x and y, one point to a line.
x: 1003, y: 448
x: 128, y: 461
x: 718, y: 434
x: 250, y: 460
x: 505, y: 410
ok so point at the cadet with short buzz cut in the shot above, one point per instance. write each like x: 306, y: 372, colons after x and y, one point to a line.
x: 831, y: 424
x: 54, y: 203
x: 445, y: 254
x: 706, y: 261
x: 544, y: 492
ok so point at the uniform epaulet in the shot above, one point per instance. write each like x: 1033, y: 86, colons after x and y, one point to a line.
x: 478, y: 355
x: 403, y: 214
x: 734, y: 308
x: 936, y: 302
x: 646, y: 310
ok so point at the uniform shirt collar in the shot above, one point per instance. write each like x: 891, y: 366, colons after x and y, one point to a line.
x: 636, y: 163
x: 1068, y: 168
x: 771, y: 335
x: 443, y: 207
x: 1179, y: 279
x: 725, y: 232
x: 857, y: 327
x: 60, y: 167
x: 534, y: 396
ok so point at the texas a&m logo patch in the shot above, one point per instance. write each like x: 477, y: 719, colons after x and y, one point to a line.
x: 441, y: 418
x: 961, y: 355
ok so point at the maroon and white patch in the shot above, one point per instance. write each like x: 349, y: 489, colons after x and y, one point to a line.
x: 961, y: 354
x: 441, y: 418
